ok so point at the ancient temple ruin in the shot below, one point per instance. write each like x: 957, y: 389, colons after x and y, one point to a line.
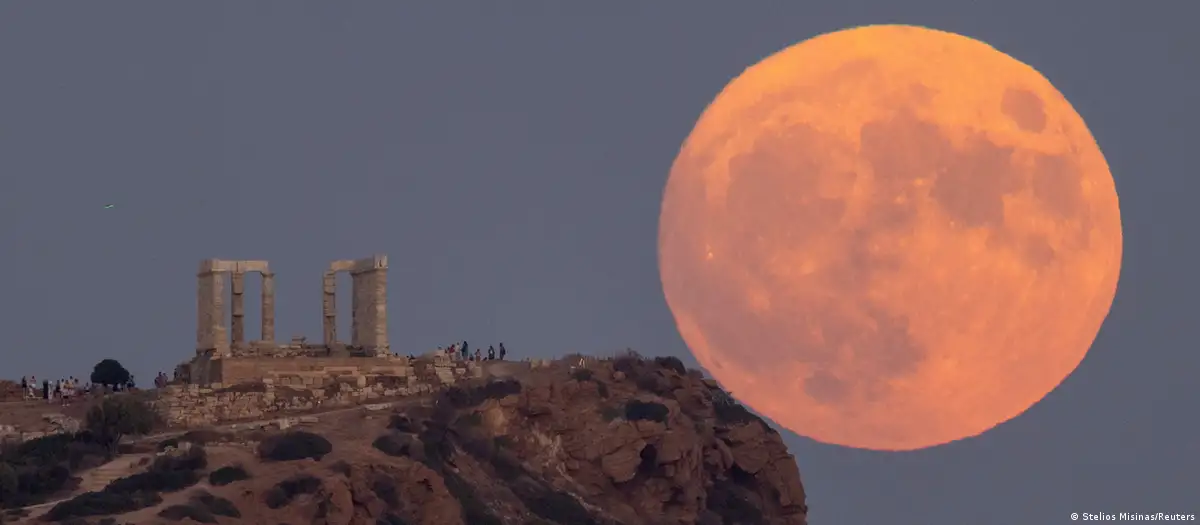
x: 223, y: 354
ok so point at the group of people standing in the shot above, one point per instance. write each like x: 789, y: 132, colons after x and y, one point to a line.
x: 463, y: 351
x: 62, y: 390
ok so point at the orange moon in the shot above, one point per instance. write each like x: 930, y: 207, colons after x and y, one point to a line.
x: 890, y: 238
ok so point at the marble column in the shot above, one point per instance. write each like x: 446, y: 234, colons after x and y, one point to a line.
x: 329, y: 307
x: 268, y: 307
x: 370, y: 310
x: 237, y: 307
x: 210, y: 314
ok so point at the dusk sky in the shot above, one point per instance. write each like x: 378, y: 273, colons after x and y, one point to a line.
x: 510, y: 159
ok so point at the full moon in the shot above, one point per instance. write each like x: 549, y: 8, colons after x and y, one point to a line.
x: 890, y: 238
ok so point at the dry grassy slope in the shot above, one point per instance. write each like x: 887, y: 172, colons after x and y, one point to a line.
x: 562, y: 450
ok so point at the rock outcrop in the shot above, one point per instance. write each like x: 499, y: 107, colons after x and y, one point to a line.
x: 628, y: 441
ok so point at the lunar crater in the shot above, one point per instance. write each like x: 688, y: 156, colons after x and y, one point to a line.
x: 857, y: 243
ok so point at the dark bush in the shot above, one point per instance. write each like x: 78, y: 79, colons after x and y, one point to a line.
x: 473, y: 396
x: 402, y: 423
x: 629, y: 363
x: 671, y: 363
x: 285, y: 491
x: 639, y: 410
x: 394, y: 445
x: 385, y: 489
x: 102, y: 503
x: 168, y: 473
x: 582, y: 374
x: 118, y: 416
x: 226, y: 475
x: 193, y: 512
x: 654, y: 383
x: 602, y: 389
x: 43, y: 450
x: 216, y: 504
x: 294, y: 445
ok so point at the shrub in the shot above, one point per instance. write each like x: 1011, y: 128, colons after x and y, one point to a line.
x: 602, y: 389
x: 655, y: 383
x: 285, y: 491
x: 629, y: 363
x: 226, y: 475
x: 402, y: 423
x: 118, y: 416
x: 639, y: 410
x: 216, y: 504
x: 102, y: 503
x: 192, y: 512
x: 294, y: 445
x: 9, y: 482
x: 385, y: 489
x: 671, y: 363
x: 582, y: 374
x: 394, y: 445
x: 167, y: 474
x: 470, y: 397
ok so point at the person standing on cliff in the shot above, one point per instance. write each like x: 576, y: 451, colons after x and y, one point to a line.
x: 491, y: 353
x: 46, y: 390
x: 466, y: 351
x: 503, y: 352
x: 478, y: 355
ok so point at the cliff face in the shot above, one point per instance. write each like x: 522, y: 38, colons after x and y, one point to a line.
x: 620, y: 442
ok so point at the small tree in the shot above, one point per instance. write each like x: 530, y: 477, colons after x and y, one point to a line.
x: 109, y: 372
x: 120, y: 416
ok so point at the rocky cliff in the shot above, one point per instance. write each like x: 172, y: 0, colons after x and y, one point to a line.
x: 627, y: 441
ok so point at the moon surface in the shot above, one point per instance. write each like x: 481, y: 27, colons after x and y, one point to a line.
x: 890, y: 238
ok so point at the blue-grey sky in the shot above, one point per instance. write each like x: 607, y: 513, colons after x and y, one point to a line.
x: 510, y: 158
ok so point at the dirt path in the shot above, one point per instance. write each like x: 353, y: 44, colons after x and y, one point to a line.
x: 92, y: 480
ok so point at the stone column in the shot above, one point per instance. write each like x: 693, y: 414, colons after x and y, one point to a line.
x: 370, y: 305
x: 377, y: 329
x: 238, y: 307
x: 329, y: 307
x: 268, y: 307
x: 210, y: 313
